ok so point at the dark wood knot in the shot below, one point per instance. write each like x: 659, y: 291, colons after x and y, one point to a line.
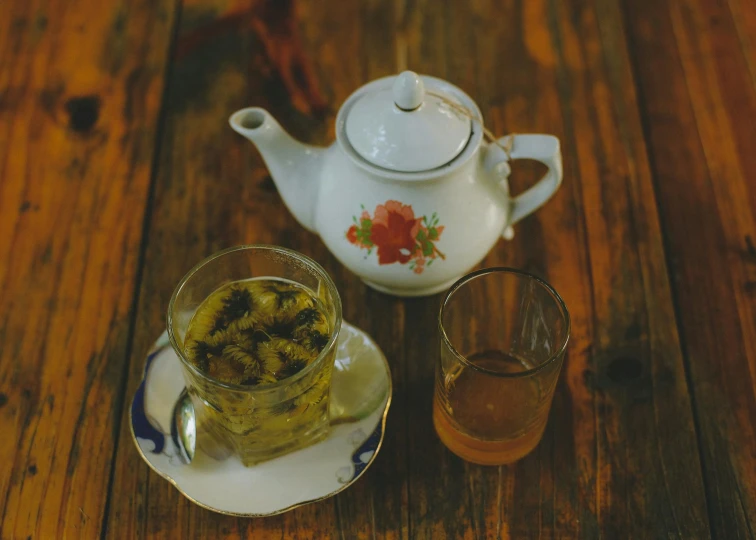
x: 83, y: 113
x: 624, y: 370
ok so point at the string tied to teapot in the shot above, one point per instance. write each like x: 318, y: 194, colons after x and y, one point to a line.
x: 487, y: 133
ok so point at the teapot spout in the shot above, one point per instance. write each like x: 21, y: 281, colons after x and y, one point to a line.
x: 294, y: 166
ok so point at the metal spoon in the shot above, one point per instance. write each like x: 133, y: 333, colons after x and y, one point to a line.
x: 184, y: 427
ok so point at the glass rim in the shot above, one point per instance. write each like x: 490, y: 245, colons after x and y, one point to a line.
x: 319, y: 270
x: 504, y: 270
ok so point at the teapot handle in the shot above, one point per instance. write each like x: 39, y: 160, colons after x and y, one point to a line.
x: 543, y: 148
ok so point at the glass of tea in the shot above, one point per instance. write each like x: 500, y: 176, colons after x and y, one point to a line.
x: 503, y: 337
x: 255, y: 328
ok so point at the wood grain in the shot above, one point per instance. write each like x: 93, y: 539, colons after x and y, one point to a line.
x: 651, y: 241
x: 212, y: 191
x: 611, y: 461
x: 624, y: 379
x: 80, y: 89
x: 695, y: 74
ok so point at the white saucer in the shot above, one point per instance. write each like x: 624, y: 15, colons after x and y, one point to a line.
x: 360, y: 398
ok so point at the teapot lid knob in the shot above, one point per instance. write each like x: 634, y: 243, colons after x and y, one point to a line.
x: 408, y: 91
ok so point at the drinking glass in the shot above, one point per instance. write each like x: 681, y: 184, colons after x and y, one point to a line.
x: 261, y: 422
x: 503, y: 337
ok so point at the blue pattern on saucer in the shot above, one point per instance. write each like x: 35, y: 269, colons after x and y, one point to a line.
x: 364, y: 454
x: 143, y: 428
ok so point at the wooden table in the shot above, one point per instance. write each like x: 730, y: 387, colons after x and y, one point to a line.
x: 118, y: 172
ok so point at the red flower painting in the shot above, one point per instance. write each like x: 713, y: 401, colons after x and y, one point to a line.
x: 397, y: 235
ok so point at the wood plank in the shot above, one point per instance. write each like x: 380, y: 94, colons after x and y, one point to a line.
x: 611, y: 463
x: 80, y: 89
x: 213, y: 191
x: 695, y: 72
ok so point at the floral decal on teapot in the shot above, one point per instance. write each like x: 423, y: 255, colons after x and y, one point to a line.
x: 397, y: 235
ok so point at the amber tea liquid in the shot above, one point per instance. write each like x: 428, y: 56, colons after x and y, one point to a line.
x: 487, y: 419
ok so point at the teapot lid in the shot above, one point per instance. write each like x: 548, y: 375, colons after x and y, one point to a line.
x: 406, y: 128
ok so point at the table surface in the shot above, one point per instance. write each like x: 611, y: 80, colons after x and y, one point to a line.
x: 118, y: 172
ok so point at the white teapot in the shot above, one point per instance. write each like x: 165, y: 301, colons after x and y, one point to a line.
x: 410, y: 197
